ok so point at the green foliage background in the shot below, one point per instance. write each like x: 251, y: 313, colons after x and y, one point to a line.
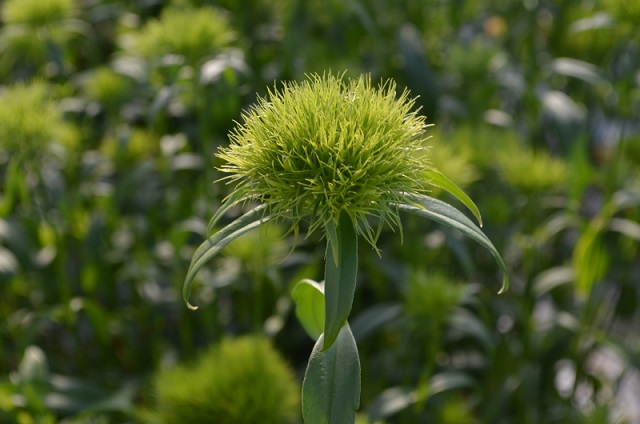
x: 111, y: 113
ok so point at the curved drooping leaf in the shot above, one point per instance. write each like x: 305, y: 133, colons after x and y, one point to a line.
x: 438, y: 179
x: 445, y: 214
x: 235, y: 198
x: 339, y: 278
x: 214, y: 244
x: 331, y: 387
x: 309, y: 298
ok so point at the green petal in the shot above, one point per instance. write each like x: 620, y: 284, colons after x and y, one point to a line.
x: 214, y: 244
x: 445, y: 214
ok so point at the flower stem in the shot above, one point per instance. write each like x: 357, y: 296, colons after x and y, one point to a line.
x: 339, y: 277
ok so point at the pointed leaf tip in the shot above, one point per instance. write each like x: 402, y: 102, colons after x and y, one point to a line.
x: 214, y: 244
x: 445, y: 214
x: 505, y: 283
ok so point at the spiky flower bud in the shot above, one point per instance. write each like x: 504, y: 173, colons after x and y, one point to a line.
x: 330, y: 146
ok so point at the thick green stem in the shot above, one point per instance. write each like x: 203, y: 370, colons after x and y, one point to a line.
x: 340, y: 272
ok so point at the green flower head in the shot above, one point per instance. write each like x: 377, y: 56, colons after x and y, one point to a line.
x: 329, y: 146
x: 338, y: 154
x: 37, y: 13
x: 196, y: 34
x: 30, y: 122
x: 33, y: 32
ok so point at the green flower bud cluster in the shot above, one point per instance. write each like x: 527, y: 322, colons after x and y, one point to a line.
x: 330, y: 146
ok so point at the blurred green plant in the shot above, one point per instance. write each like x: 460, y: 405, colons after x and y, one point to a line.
x: 545, y: 173
x: 195, y: 34
x: 480, y: 143
x: 31, y: 126
x: 191, y: 69
x: 33, y: 394
x: 243, y: 380
x: 34, y: 36
x: 33, y: 138
x: 454, y: 161
x: 109, y: 88
x: 431, y: 298
x: 131, y: 146
x: 457, y: 411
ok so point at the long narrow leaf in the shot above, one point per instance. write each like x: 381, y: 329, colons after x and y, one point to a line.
x: 214, y: 244
x: 333, y: 244
x: 445, y: 214
x: 438, y: 179
x: 340, y: 278
x: 331, y: 387
x: 235, y: 198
